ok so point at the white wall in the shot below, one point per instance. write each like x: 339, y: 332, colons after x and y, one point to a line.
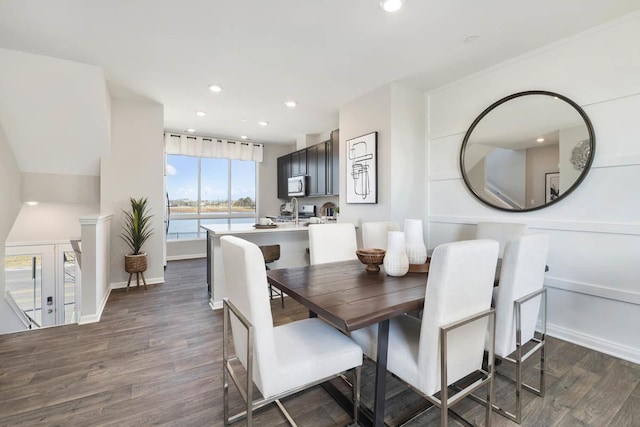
x: 48, y: 222
x: 95, y: 283
x: 134, y: 168
x: 506, y: 171
x: 62, y: 199
x: 268, y: 178
x: 594, y: 299
x: 10, y: 180
x: 407, y: 153
x: 540, y: 160
x: 55, y: 113
x: 397, y: 114
x: 48, y: 187
x: 186, y: 249
x: 369, y: 113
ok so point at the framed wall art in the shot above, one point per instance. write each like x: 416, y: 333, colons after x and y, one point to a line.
x: 551, y: 186
x: 362, y: 169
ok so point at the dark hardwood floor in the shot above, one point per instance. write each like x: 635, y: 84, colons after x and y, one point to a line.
x: 155, y: 358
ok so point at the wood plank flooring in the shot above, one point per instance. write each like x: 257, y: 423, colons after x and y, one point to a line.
x: 155, y: 358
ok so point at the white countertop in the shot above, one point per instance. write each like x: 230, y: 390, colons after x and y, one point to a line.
x: 233, y: 229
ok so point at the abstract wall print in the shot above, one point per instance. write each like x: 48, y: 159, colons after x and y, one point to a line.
x: 551, y: 186
x: 362, y: 169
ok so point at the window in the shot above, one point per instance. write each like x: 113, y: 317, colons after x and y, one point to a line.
x: 208, y: 191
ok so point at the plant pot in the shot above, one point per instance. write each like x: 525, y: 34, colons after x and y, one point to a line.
x: 135, y: 263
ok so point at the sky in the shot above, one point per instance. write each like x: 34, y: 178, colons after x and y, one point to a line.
x: 182, y: 178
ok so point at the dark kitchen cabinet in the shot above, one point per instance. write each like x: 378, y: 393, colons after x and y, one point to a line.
x: 299, y: 162
x: 317, y: 169
x: 320, y: 162
x: 333, y: 164
x: 284, y: 172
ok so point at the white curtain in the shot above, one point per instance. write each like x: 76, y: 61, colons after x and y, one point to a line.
x: 198, y: 146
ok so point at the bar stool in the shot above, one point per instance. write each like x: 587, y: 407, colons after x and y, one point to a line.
x: 272, y: 253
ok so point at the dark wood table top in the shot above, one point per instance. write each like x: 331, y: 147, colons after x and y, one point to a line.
x: 345, y: 294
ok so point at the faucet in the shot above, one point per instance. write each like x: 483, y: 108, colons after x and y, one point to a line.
x: 295, y: 210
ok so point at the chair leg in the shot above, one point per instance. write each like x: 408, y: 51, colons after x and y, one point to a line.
x: 491, y: 371
x: 282, y: 300
x: 520, y: 358
x: 355, y: 392
x: 518, y: 381
x: 286, y: 413
x: 225, y: 374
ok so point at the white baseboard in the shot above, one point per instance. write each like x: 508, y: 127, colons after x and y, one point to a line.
x: 95, y: 318
x: 151, y: 281
x: 598, y: 344
x: 181, y: 257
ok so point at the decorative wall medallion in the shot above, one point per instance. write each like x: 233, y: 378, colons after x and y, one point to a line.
x: 580, y: 154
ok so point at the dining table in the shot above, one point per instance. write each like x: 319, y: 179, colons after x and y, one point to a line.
x: 349, y: 297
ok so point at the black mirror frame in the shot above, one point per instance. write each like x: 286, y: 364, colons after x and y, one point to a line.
x: 587, y: 167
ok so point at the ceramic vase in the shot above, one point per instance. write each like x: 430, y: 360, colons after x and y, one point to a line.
x: 395, y: 261
x: 414, y: 240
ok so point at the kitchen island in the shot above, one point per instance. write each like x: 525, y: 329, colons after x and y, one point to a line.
x: 293, y: 240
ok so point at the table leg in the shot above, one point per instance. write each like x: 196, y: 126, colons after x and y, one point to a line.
x: 381, y: 373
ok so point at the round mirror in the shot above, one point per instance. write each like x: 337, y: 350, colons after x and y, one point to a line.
x: 527, y: 151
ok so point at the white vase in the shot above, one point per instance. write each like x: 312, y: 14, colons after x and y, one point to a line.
x: 395, y: 261
x: 414, y: 240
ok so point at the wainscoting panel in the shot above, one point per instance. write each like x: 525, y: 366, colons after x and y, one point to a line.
x: 594, y: 293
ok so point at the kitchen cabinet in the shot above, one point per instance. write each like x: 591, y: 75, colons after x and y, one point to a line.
x: 320, y: 162
x: 317, y: 169
x: 333, y: 164
x: 299, y: 162
x: 284, y: 172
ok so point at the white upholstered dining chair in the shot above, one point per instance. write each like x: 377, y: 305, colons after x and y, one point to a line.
x: 447, y: 344
x: 500, y: 231
x: 332, y: 243
x: 279, y: 360
x: 518, y: 302
x: 374, y: 233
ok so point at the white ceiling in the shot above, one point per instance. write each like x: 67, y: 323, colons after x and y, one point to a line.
x: 321, y: 53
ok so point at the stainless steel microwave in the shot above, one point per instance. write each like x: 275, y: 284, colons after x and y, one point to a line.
x: 297, y: 186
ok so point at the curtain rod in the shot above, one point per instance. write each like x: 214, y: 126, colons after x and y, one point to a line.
x: 210, y: 138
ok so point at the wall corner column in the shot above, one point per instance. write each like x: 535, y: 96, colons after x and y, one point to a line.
x: 96, y: 260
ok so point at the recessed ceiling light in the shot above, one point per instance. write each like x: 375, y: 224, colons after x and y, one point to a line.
x: 244, y: 137
x: 263, y: 123
x: 540, y: 140
x: 215, y: 88
x: 470, y: 39
x: 32, y: 203
x: 290, y: 104
x: 391, y: 6
x: 190, y: 130
x: 201, y: 113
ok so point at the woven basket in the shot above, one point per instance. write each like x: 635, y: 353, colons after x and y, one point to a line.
x: 135, y: 263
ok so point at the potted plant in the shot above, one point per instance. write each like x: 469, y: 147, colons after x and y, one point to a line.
x: 137, y: 229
